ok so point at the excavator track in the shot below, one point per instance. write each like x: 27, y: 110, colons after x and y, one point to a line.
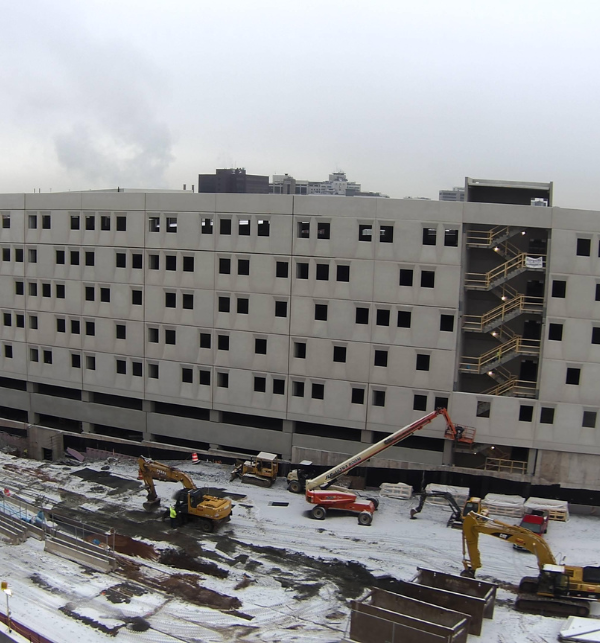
x: 532, y: 604
x: 256, y: 481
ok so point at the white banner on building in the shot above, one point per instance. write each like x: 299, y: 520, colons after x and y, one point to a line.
x: 534, y: 262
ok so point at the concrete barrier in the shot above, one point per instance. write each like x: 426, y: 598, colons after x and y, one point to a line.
x: 80, y: 552
x: 13, y: 529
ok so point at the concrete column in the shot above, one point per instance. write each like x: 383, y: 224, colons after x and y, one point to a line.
x: 147, y: 406
x: 32, y: 387
x: 87, y: 396
x: 448, y: 455
x: 216, y: 416
x: 288, y: 426
x: 532, y: 461
x: 87, y: 427
x: 366, y: 437
x: 214, y: 447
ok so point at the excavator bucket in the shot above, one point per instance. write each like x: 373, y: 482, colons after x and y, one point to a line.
x: 152, y: 505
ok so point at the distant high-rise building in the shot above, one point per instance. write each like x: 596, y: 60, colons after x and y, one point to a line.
x: 455, y: 194
x: 337, y: 185
x: 233, y: 181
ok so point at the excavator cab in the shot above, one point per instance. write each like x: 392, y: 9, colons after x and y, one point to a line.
x: 473, y: 505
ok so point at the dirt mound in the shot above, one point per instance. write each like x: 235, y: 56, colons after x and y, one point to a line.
x: 181, y: 560
x: 184, y: 586
x: 107, y: 479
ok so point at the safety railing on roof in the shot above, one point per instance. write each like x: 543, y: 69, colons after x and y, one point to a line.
x: 507, y: 309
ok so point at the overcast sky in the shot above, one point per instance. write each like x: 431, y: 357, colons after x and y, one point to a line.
x: 405, y: 97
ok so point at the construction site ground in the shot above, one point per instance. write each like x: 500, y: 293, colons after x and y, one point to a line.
x: 270, y: 574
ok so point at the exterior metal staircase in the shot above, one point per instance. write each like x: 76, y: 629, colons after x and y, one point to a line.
x: 503, y: 313
x: 490, y: 237
x: 513, y: 387
x: 502, y: 273
x: 500, y: 355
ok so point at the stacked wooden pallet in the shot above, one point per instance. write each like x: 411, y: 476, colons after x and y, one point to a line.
x: 498, y: 504
x: 557, y: 509
x: 400, y: 491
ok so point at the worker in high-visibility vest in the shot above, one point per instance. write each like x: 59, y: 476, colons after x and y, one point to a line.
x: 173, y: 516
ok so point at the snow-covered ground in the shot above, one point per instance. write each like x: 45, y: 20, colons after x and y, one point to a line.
x: 293, y: 576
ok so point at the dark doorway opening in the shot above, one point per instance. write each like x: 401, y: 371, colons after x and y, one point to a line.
x: 528, y: 371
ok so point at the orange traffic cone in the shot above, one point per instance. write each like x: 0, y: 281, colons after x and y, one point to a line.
x: 194, y: 458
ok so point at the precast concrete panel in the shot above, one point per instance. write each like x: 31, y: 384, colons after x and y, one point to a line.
x: 419, y: 210
x: 169, y: 386
x: 133, y: 201
x: 313, y: 205
x: 17, y: 363
x: 401, y: 367
x: 202, y: 275
x: 200, y: 315
x: 9, y: 267
x: 256, y: 204
x: 335, y: 408
x: 424, y: 330
x: 571, y: 219
x: 579, y: 300
x: 359, y: 286
x: 444, y: 293
x: 553, y: 382
x: 319, y: 360
x: 576, y: 343
x: 340, y: 324
x: 509, y: 215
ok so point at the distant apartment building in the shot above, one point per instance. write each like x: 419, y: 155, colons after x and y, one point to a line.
x: 336, y: 185
x: 233, y: 181
x: 455, y: 194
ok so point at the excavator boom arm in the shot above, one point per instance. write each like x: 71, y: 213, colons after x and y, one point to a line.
x: 475, y: 524
x: 327, y: 478
x: 151, y: 471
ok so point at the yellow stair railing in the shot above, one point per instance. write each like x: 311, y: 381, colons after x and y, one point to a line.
x: 489, y: 237
x: 486, y: 280
x: 515, y: 346
x: 514, y: 387
x: 496, y: 316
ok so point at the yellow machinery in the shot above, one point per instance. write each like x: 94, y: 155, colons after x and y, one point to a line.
x: 261, y: 470
x: 457, y: 516
x: 559, y: 590
x: 190, y: 502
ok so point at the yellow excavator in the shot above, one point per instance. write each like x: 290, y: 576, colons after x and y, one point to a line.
x: 559, y: 590
x: 190, y: 502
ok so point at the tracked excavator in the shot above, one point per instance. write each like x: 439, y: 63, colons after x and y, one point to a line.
x: 559, y: 590
x: 320, y: 492
x: 456, y: 517
x: 190, y: 502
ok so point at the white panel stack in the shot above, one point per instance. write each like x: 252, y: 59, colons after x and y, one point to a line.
x: 558, y: 509
x: 499, y: 504
x: 400, y: 490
